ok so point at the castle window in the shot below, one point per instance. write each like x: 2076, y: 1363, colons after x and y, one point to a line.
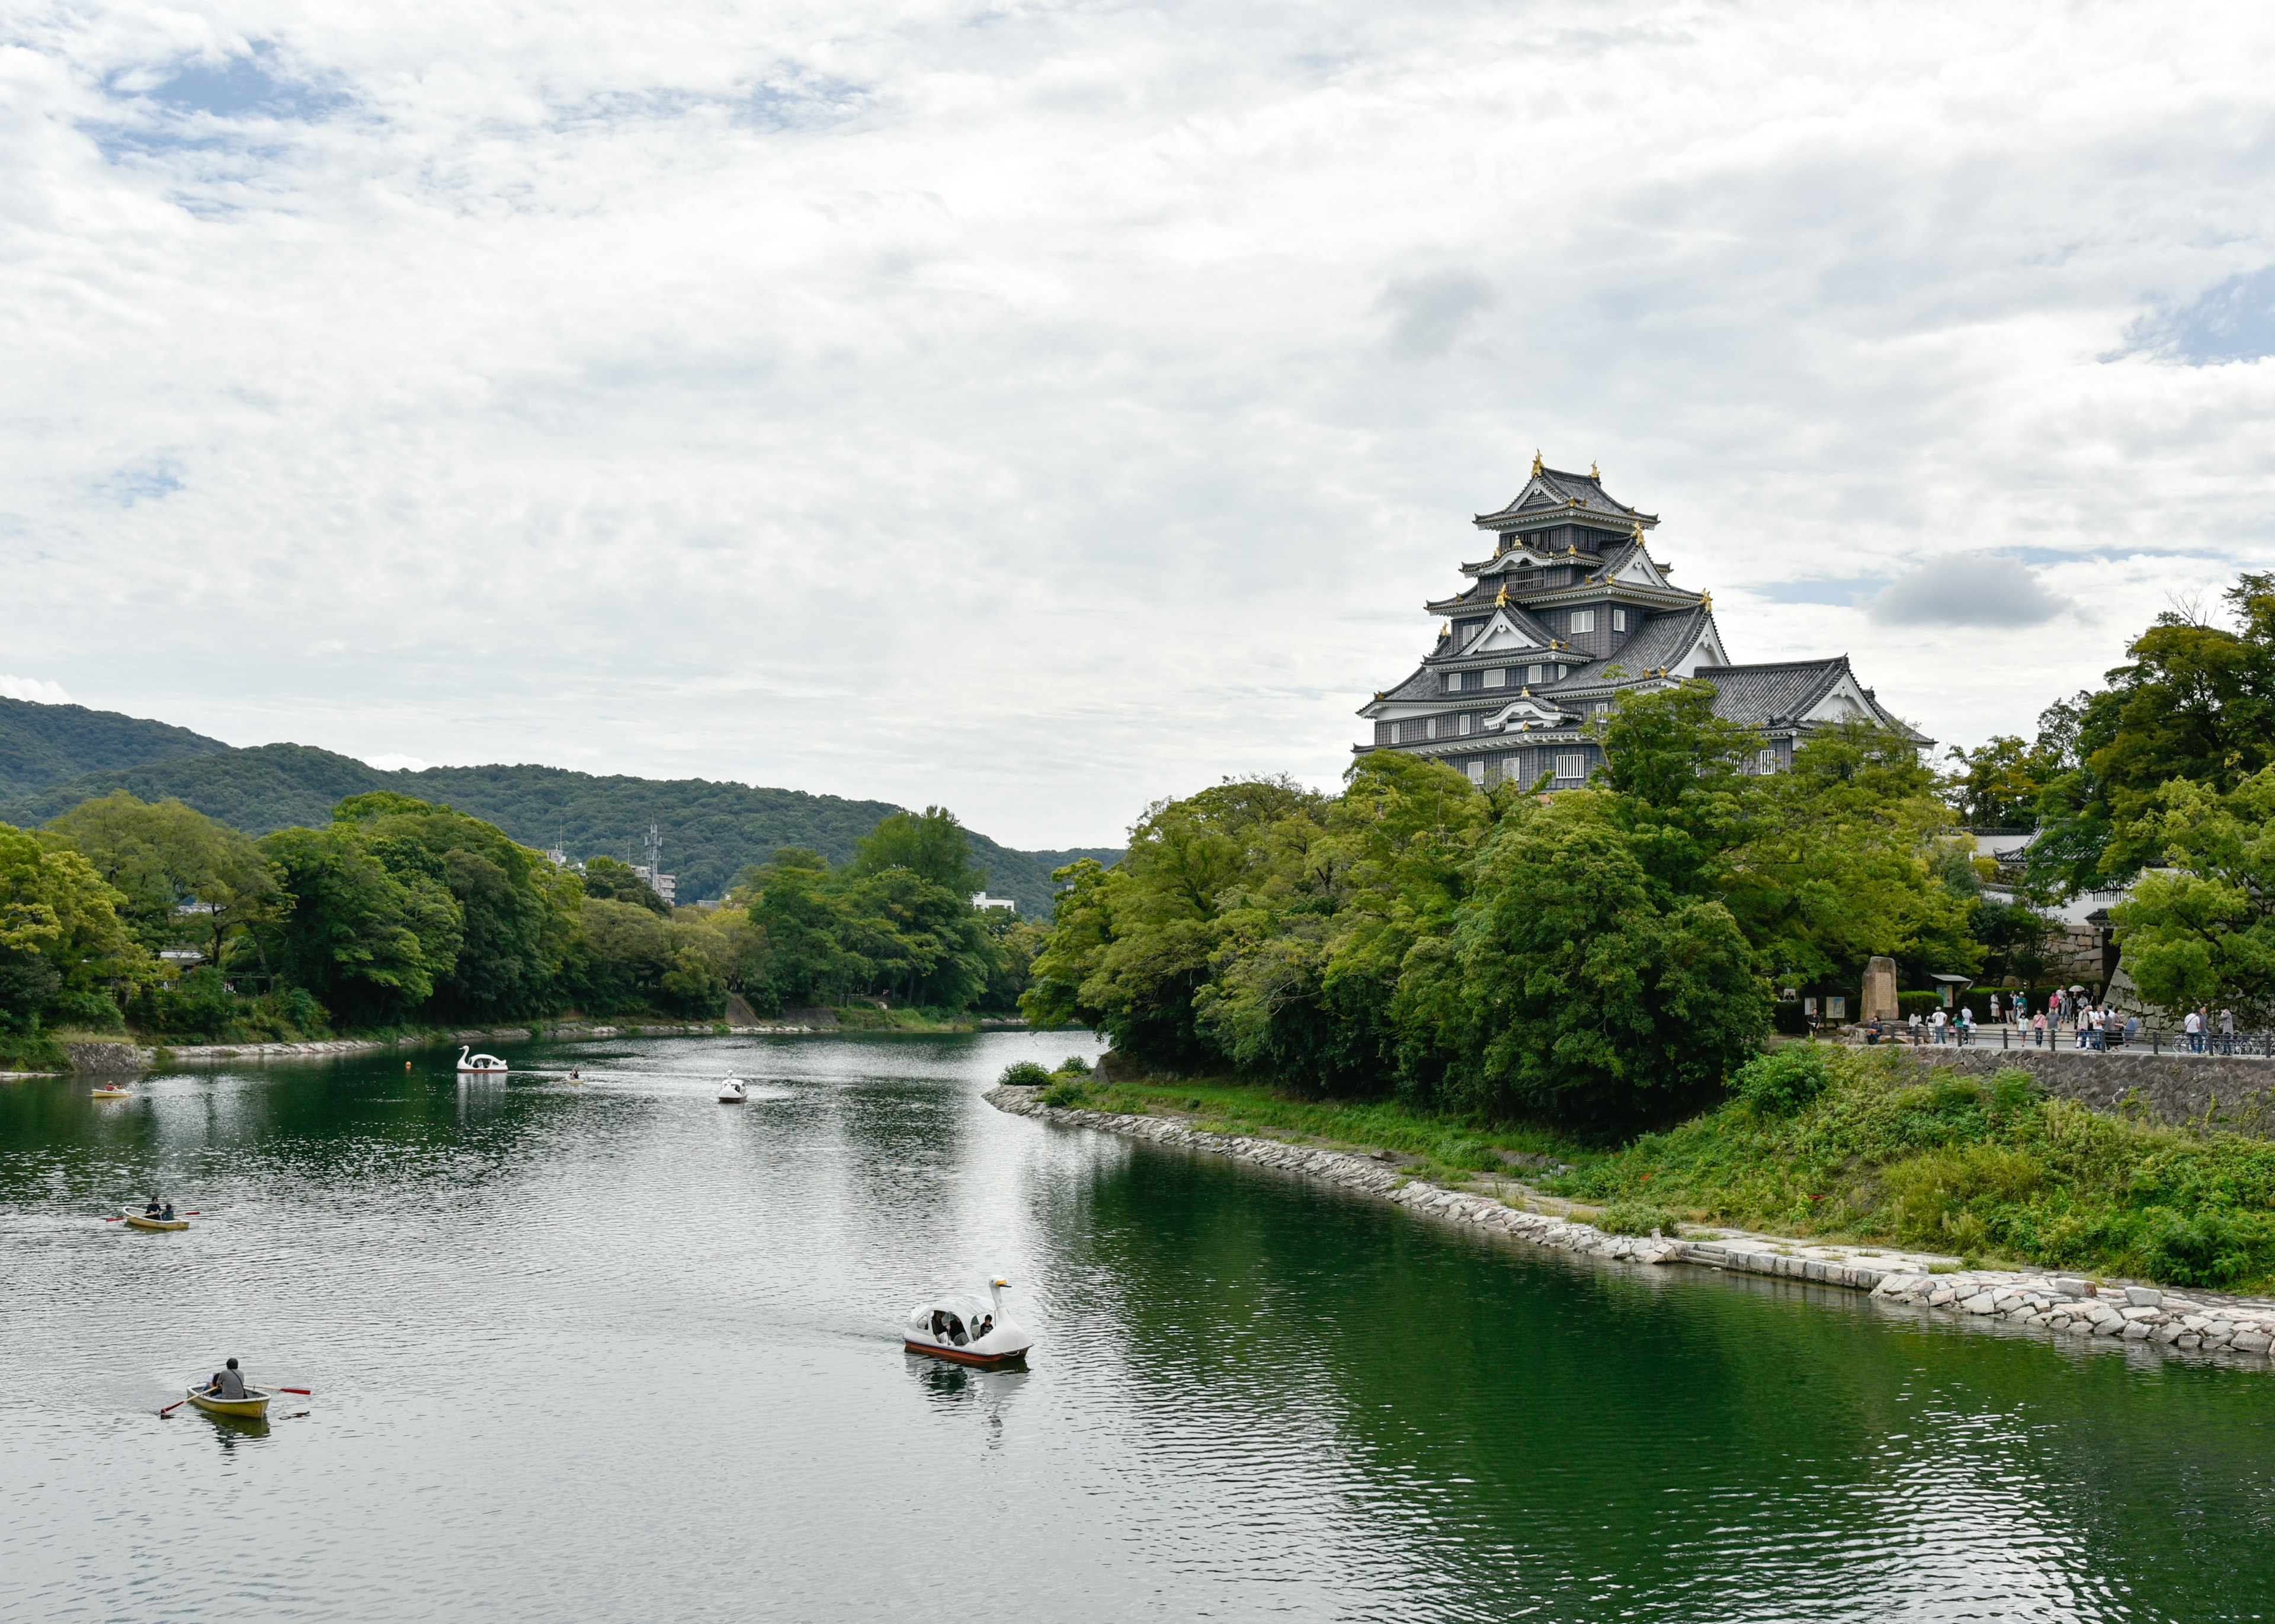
x: 1453, y: 682
x: 1618, y: 619
x: 1468, y: 720
x: 1429, y: 729
x: 1603, y: 707
x: 1493, y: 677
x: 1571, y: 764
x: 1476, y: 772
x: 1533, y: 673
x: 1583, y: 620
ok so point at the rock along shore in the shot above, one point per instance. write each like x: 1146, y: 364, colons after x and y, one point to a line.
x: 2194, y: 1323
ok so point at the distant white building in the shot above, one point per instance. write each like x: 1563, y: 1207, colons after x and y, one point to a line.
x: 980, y: 899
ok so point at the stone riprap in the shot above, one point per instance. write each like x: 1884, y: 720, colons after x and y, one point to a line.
x: 2234, y: 1093
x: 2162, y: 1321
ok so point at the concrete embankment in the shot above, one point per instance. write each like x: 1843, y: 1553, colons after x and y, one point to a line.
x: 2194, y: 1323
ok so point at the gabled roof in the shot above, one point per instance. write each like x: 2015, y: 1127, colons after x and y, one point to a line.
x: 1522, y: 633
x: 1552, y: 491
x: 1795, y: 692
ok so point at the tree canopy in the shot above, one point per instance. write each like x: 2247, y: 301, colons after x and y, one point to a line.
x: 1603, y: 957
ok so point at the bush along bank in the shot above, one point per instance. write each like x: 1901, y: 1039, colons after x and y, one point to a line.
x: 1643, y: 1232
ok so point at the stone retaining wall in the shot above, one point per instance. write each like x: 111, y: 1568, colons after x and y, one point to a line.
x: 2235, y: 1093
x: 2196, y: 1324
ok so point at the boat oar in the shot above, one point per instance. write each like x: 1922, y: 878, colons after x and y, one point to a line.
x: 171, y: 1408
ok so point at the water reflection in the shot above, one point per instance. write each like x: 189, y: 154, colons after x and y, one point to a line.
x: 553, y: 1327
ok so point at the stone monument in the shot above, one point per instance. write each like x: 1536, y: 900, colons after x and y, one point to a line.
x: 1879, y: 990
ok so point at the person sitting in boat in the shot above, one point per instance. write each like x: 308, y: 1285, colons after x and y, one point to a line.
x: 226, y: 1383
x: 167, y: 1216
x: 152, y: 1210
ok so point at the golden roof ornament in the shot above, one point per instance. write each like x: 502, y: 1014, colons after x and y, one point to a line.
x: 1705, y: 600
x: 1501, y: 598
x: 1595, y: 473
x: 1445, y: 630
x: 1536, y: 462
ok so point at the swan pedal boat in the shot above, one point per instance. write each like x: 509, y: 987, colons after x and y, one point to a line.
x: 730, y: 1091
x: 480, y: 1064
x: 944, y: 1327
x: 253, y: 1406
x: 142, y: 1220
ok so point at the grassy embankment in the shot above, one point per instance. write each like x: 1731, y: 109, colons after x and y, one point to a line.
x: 1847, y: 1145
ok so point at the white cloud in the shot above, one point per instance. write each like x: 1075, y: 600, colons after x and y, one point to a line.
x: 32, y: 688
x: 945, y: 402
x: 1976, y: 590
x: 387, y: 763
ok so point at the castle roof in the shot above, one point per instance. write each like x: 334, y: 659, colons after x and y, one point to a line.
x: 1552, y: 494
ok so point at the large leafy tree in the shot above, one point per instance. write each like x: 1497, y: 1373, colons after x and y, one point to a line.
x: 63, y: 951
x: 2194, y: 702
x: 930, y: 844
x: 2201, y: 928
x: 182, y: 876
x: 1573, y: 986
x: 516, y: 913
x: 367, y: 941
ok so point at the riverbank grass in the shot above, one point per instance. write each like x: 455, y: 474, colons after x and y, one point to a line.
x: 1442, y: 1149
x: 1832, y: 1144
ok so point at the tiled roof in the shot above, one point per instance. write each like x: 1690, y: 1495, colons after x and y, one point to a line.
x: 1517, y: 617
x: 1560, y: 489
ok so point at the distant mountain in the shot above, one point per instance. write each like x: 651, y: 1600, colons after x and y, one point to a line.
x: 46, y: 744
x: 710, y: 831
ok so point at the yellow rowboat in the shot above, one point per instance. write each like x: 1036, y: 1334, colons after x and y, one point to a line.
x: 252, y: 1407
x: 136, y: 1220
x: 107, y: 1093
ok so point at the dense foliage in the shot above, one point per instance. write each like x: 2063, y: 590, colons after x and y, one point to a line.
x: 711, y: 831
x: 46, y: 744
x: 1854, y: 1143
x: 396, y: 910
x: 896, y: 922
x: 1599, y: 958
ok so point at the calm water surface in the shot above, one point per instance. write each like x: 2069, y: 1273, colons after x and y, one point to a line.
x: 617, y: 1352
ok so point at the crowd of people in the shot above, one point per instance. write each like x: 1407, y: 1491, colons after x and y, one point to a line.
x: 2087, y: 1024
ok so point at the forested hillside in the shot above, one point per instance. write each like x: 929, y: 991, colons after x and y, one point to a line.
x: 46, y: 744
x: 711, y: 831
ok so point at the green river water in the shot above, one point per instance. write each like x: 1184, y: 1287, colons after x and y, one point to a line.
x: 615, y: 1351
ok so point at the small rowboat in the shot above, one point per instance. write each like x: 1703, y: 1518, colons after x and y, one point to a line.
x: 252, y: 1407
x: 137, y: 1220
x: 108, y: 1091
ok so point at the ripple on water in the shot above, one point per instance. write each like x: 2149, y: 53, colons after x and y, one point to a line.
x: 611, y: 1350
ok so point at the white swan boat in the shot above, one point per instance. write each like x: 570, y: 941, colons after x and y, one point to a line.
x: 967, y: 1330
x: 730, y: 1091
x: 479, y: 1063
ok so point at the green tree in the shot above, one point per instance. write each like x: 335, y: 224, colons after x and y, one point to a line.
x: 2194, y: 702
x: 2203, y: 930
x: 1997, y: 784
x: 64, y: 954
x: 605, y: 877
x: 515, y: 913
x: 1569, y: 990
x: 930, y: 844
x: 368, y: 941
x: 184, y: 877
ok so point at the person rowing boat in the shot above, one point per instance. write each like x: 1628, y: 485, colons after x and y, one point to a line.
x: 226, y: 1383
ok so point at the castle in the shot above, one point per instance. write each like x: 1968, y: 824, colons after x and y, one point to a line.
x: 1570, y: 612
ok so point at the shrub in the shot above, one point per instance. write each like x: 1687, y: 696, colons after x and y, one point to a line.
x: 1074, y: 1066
x: 1783, y: 1081
x: 1024, y: 1074
x: 1636, y: 1218
x: 1066, y: 1092
x: 1473, y: 1156
x: 1939, y: 1197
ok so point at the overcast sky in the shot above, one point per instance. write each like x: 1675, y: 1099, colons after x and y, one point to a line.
x: 1043, y: 409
